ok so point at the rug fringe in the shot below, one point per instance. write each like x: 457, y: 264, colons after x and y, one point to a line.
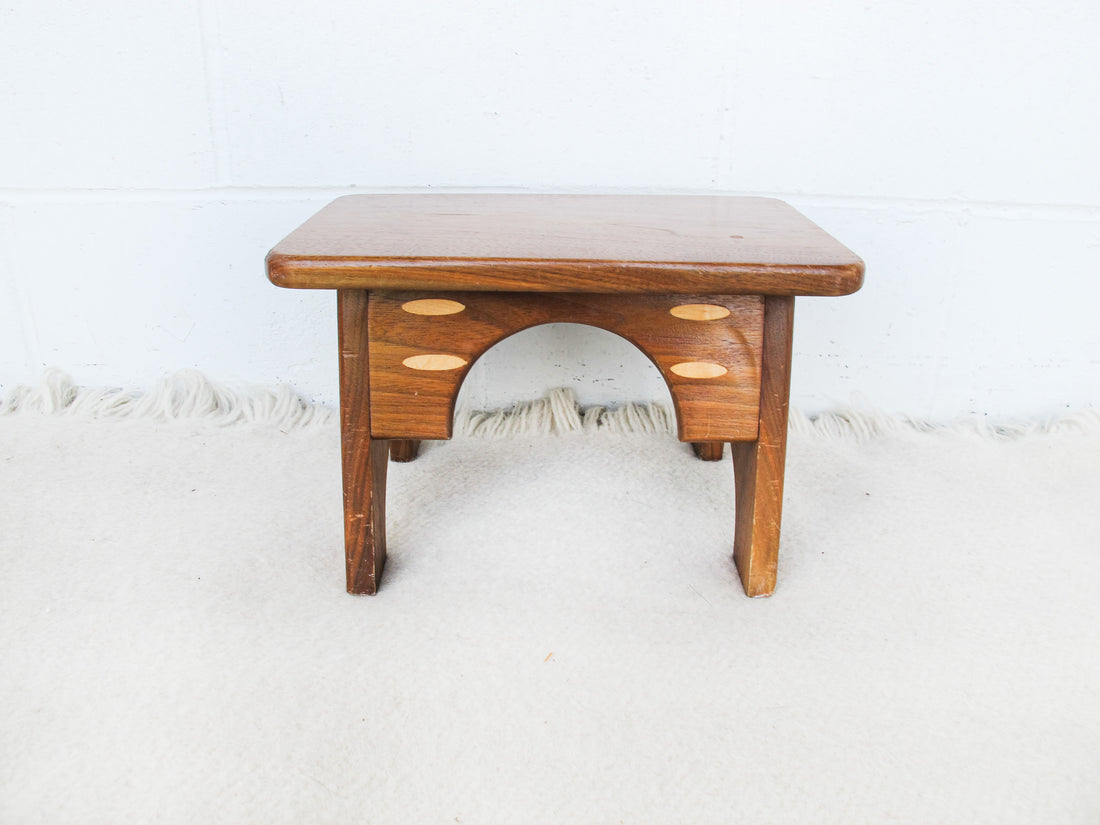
x: 859, y: 425
x: 190, y: 395
x: 181, y: 396
x: 559, y: 412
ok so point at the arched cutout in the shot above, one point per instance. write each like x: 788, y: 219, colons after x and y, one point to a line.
x: 602, y: 368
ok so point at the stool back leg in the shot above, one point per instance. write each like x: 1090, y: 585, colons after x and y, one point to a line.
x: 758, y: 465
x: 364, y: 459
x: 404, y: 449
x: 708, y: 450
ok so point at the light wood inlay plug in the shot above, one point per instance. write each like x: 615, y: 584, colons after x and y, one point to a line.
x: 434, y: 306
x: 699, y: 312
x: 698, y: 369
x: 436, y: 362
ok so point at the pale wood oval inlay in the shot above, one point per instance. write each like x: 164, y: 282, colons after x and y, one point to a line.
x: 699, y: 312
x: 435, y: 361
x: 433, y: 306
x: 698, y: 369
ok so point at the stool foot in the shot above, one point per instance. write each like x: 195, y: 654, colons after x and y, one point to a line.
x: 758, y: 465
x: 708, y: 450
x: 756, y: 534
x: 364, y: 458
x: 365, y: 518
x: 404, y: 449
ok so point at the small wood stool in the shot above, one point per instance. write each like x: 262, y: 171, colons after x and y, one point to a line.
x: 703, y: 285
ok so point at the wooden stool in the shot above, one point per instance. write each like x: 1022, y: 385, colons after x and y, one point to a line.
x: 704, y: 286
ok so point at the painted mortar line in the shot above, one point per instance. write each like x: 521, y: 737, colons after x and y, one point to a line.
x: 215, y: 90
x: 996, y: 209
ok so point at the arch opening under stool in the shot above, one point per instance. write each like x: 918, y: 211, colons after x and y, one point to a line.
x: 584, y: 357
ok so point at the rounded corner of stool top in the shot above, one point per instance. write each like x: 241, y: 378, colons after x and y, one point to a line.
x: 850, y: 279
x: 280, y: 269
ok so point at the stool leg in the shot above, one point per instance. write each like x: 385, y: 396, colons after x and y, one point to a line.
x: 758, y: 465
x: 404, y: 449
x: 364, y: 458
x: 708, y: 450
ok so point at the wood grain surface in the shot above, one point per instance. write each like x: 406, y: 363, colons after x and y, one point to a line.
x: 364, y: 459
x: 708, y: 450
x: 416, y: 403
x: 703, y: 285
x: 404, y: 450
x: 674, y: 244
x: 759, y: 465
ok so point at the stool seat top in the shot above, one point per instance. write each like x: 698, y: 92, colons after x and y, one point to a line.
x: 670, y: 244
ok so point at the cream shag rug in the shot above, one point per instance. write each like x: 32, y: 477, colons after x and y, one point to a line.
x: 561, y: 635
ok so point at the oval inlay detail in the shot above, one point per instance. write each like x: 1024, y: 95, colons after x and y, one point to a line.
x: 698, y: 369
x: 433, y: 306
x: 699, y: 312
x: 435, y: 362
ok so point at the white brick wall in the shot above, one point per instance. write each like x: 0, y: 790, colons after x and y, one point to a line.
x: 150, y: 154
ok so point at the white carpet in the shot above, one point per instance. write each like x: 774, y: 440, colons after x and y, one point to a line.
x: 560, y: 635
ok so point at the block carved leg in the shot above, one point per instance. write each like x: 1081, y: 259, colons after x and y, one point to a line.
x: 404, y: 449
x: 708, y: 450
x: 364, y: 459
x: 758, y: 465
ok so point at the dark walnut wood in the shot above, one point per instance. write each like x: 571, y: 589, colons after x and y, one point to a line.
x: 565, y: 243
x: 704, y: 286
x: 404, y: 450
x: 364, y: 458
x: 758, y: 465
x: 419, y: 403
x: 708, y: 450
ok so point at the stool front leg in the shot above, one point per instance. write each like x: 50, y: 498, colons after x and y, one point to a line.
x: 758, y: 465
x: 364, y: 459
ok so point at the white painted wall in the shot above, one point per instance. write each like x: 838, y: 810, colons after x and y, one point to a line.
x: 151, y: 153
